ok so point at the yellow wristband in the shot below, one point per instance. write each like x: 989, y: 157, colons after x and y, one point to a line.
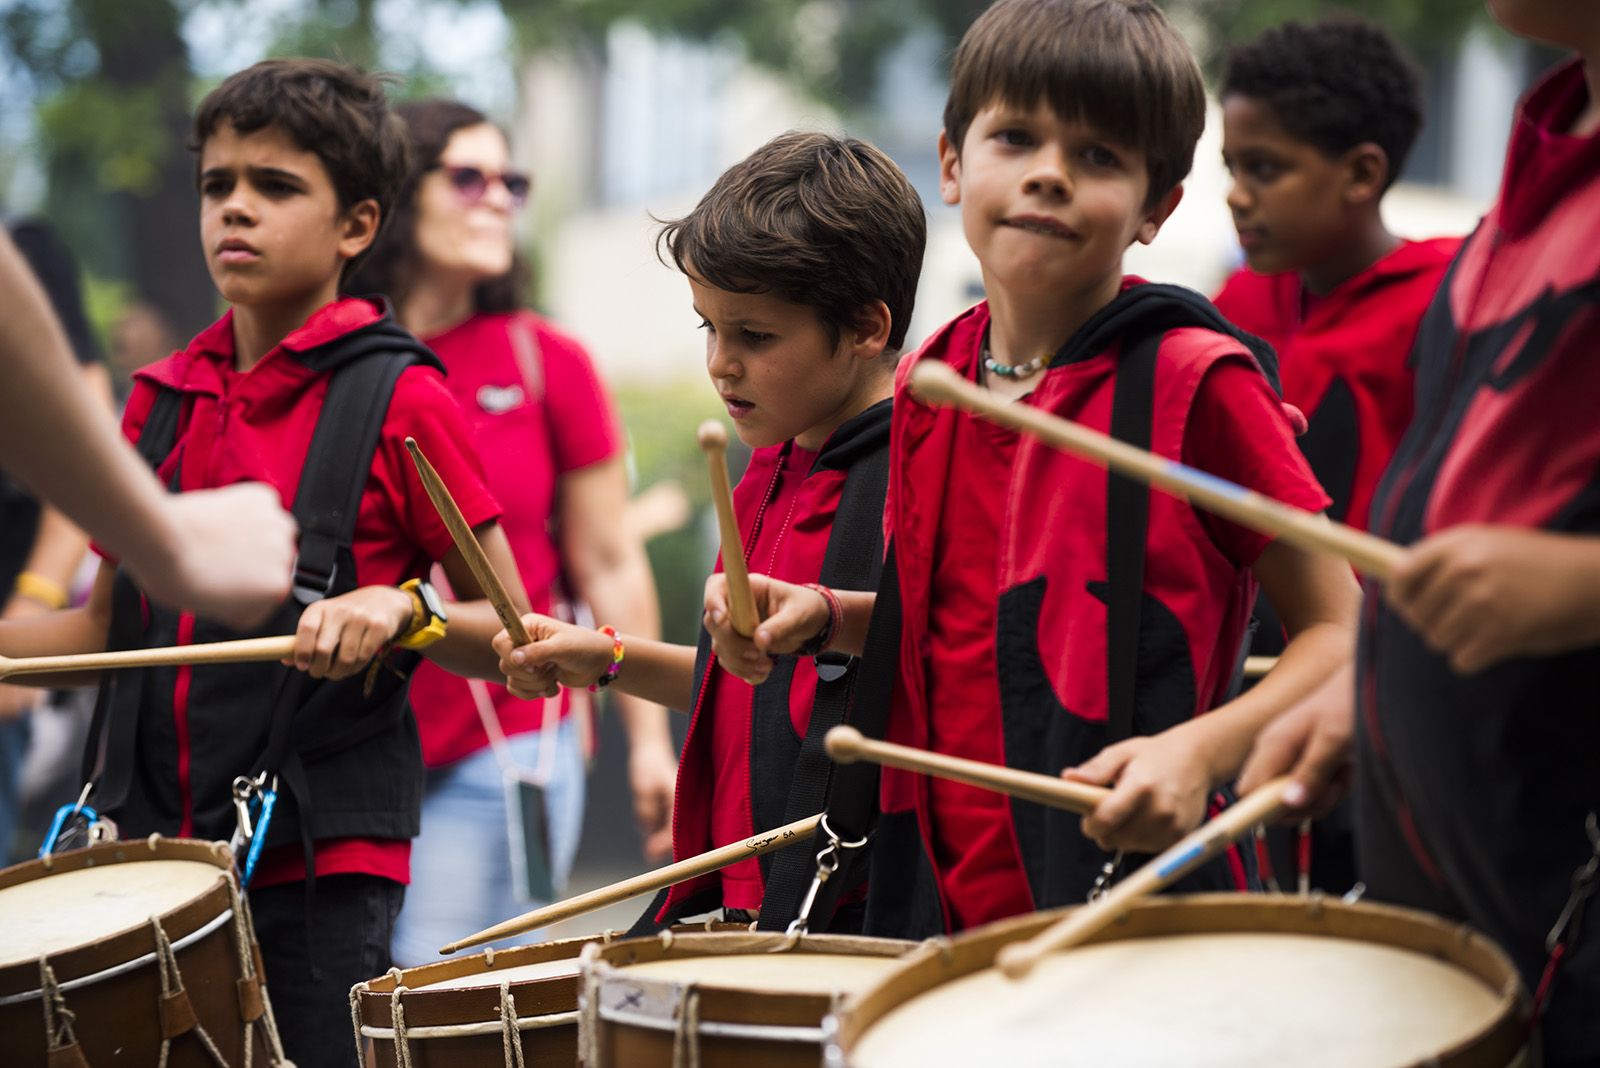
x: 37, y: 587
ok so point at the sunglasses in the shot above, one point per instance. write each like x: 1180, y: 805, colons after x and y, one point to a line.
x: 471, y: 183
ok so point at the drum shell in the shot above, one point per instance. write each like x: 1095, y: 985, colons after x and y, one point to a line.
x: 610, y: 1043
x: 552, y: 1046
x: 1499, y: 1042
x: 117, y: 1018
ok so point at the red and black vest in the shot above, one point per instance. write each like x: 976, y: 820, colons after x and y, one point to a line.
x: 350, y: 760
x: 1071, y: 561
x: 789, y: 774
x: 1474, y: 790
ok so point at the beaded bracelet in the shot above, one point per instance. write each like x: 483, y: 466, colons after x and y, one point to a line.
x: 617, y: 653
x: 830, y: 630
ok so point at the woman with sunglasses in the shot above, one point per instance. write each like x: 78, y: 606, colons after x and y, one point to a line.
x: 552, y: 450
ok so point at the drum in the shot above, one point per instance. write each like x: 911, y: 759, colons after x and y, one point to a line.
x: 474, y: 1011
x: 131, y: 953
x: 721, y: 1000
x: 1213, y: 979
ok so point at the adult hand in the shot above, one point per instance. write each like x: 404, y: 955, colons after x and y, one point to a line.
x: 1311, y: 743
x: 790, y: 616
x: 339, y: 636
x: 653, y: 777
x: 1159, y: 789
x: 231, y: 554
x: 1483, y: 594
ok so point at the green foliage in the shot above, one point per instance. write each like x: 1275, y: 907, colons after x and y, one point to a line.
x: 661, y: 419
x: 1428, y: 27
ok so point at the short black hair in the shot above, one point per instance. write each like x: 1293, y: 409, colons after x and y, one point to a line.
x: 827, y: 222
x: 1333, y: 84
x: 337, y: 112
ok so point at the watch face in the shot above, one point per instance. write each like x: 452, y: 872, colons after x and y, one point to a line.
x: 431, y: 601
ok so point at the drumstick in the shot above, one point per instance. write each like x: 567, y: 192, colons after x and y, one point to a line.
x: 741, y: 603
x: 847, y: 745
x: 1204, y: 842
x: 935, y: 381
x: 243, y: 651
x: 647, y: 883
x: 1257, y: 666
x: 467, y: 542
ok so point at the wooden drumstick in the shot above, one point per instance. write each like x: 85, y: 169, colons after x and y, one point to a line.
x: 741, y: 602
x: 471, y: 550
x: 243, y: 651
x: 847, y: 745
x: 936, y: 381
x: 1204, y: 842
x: 647, y: 883
x: 1257, y: 666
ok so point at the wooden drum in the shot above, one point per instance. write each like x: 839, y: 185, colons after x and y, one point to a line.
x: 475, y: 1011
x: 1214, y: 979
x: 131, y: 953
x: 721, y: 1000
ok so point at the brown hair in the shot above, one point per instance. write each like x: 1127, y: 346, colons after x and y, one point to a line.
x: 827, y: 222
x: 337, y: 112
x: 396, y: 262
x: 1119, y: 66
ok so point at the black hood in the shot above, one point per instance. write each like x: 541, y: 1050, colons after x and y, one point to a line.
x: 385, y: 335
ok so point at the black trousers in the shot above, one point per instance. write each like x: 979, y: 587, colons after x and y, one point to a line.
x: 311, y: 966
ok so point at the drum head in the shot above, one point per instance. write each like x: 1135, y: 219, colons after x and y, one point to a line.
x: 1307, y: 986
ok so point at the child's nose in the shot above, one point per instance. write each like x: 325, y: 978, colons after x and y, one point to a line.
x: 1048, y: 176
x: 720, y: 362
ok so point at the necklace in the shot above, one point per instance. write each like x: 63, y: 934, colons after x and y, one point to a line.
x: 1006, y: 370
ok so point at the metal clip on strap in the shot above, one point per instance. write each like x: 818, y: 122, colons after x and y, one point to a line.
x: 828, y: 861
x: 65, y: 813
x: 1584, y: 882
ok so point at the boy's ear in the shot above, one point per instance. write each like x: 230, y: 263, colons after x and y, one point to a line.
x: 360, y: 228
x: 868, y: 335
x: 1366, y: 168
x: 1157, y: 216
x: 949, y: 170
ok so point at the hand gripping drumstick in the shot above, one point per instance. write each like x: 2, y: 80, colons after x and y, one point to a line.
x: 1204, y: 842
x: 649, y: 882
x: 935, y: 381
x: 847, y: 745
x: 243, y: 651
x: 467, y: 542
x: 741, y: 603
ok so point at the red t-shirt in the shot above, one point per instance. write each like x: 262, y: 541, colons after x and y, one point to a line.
x: 772, y: 493
x: 1351, y: 347
x: 257, y: 425
x: 536, y: 410
x: 1236, y: 430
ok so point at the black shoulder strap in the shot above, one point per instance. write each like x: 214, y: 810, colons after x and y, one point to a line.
x: 160, y: 432
x: 1127, y: 524
x: 852, y: 562
x: 338, y: 464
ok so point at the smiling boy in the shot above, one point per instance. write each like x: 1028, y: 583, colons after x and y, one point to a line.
x: 1069, y: 126
x: 802, y: 262
x: 314, y: 395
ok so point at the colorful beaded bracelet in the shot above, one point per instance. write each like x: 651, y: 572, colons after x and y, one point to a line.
x: 617, y: 653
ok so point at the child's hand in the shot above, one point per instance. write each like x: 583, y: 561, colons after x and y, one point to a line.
x: 1160, y: 786
x: 338, y: 636
x: 560, y: 652
x: 790, y: 616
x: 1482, y: 594
x: 1311, y: 743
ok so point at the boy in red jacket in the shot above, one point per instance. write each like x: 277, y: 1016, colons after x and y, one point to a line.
x: 298, y: 162
x: 1069, y: 126
x: 802, y: 261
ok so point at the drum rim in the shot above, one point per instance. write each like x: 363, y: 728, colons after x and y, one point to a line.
x: 106, y: 952
x: 1496, y: 1042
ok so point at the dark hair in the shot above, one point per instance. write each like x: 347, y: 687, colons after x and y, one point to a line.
x: 1118, y: 65
x: 1333, y: 84
x: 818, y: 220
x: 395, y: 263
x: 337, y: 112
